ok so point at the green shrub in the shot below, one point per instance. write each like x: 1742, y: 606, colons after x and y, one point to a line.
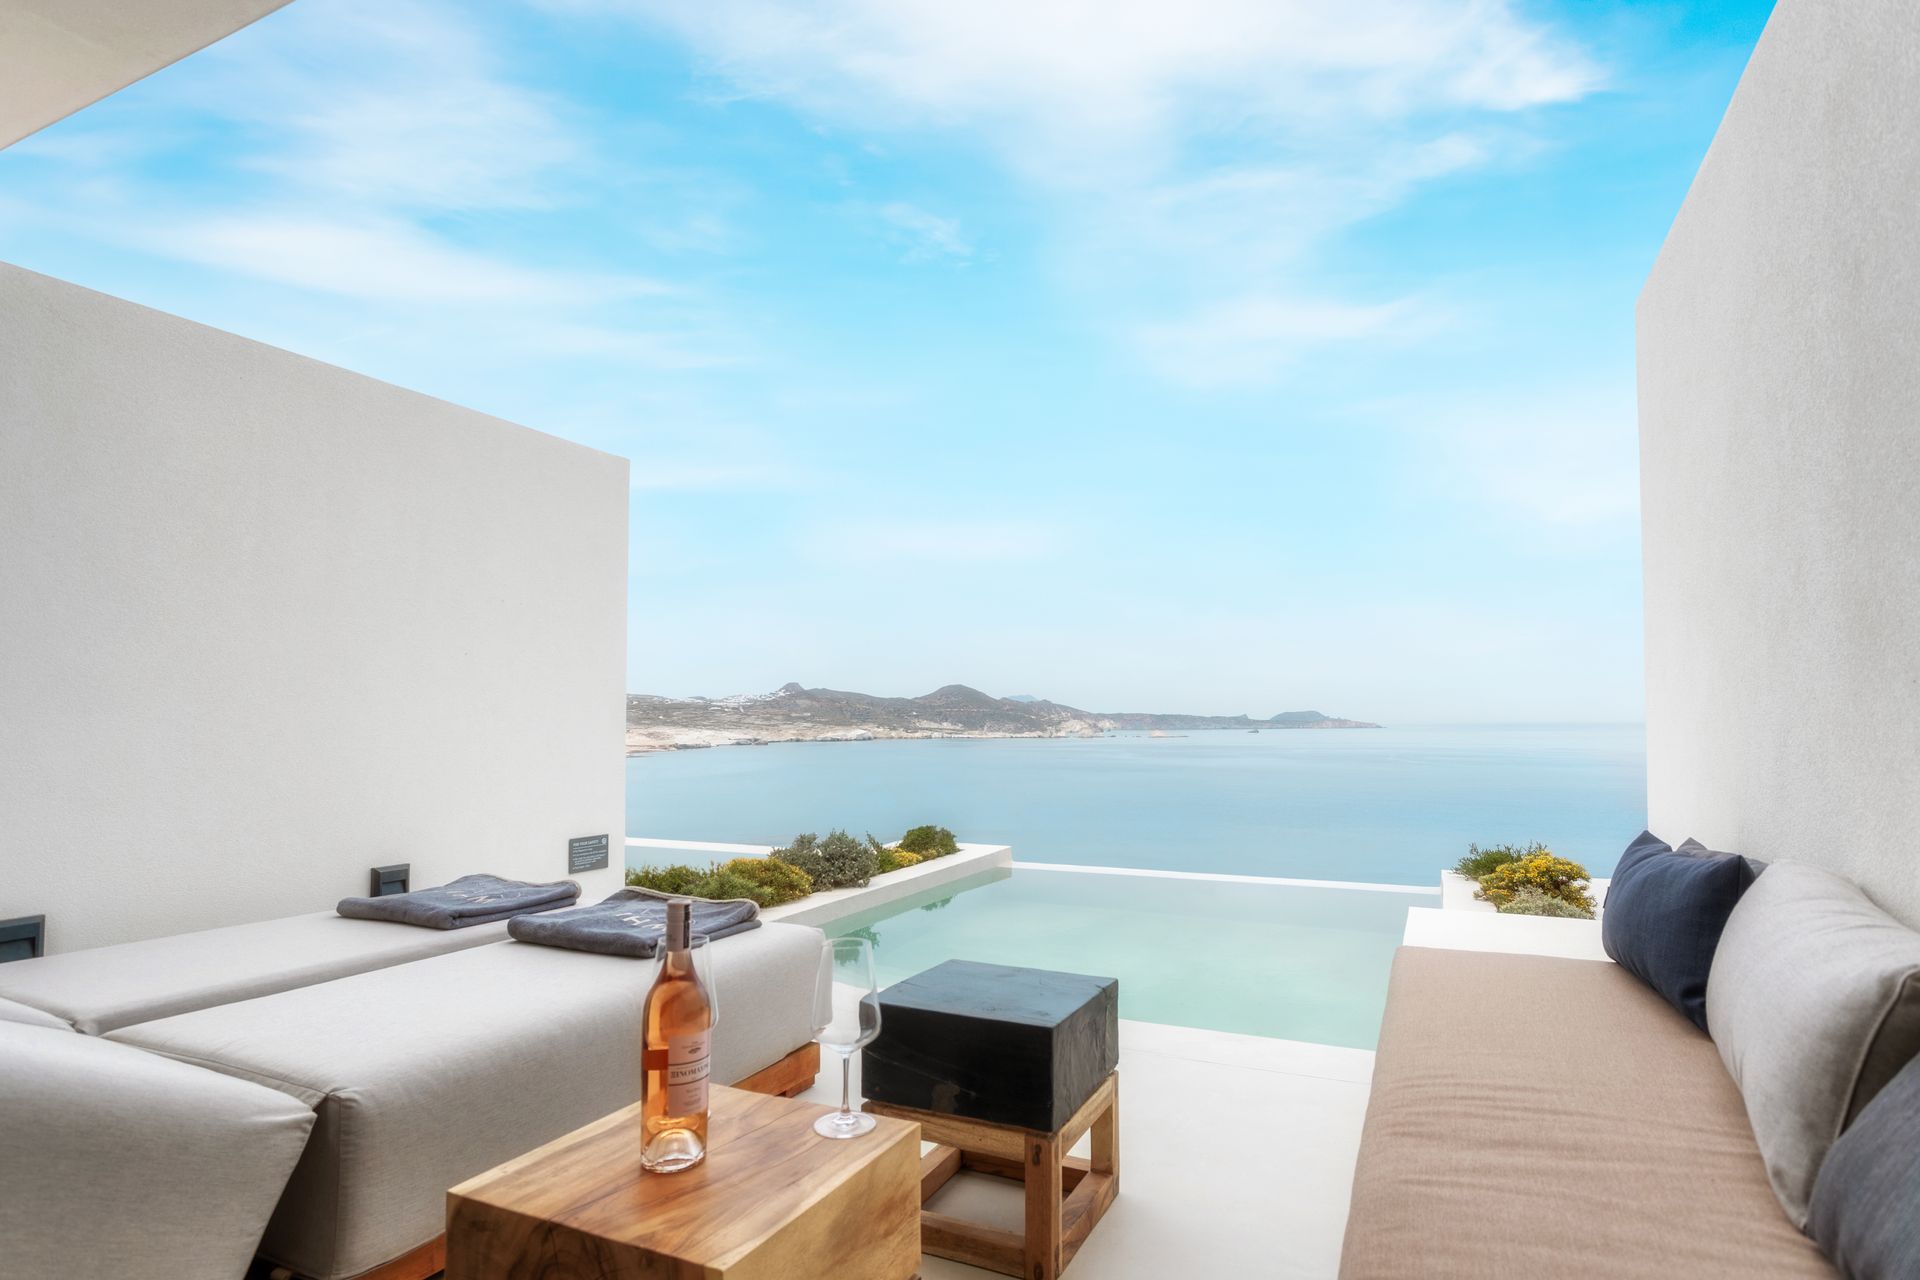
x: 1529, y: 901
x: 723, y: 883
x: 1555, y: 877
x: 683, y: 881
x: 782, y: 880
x: 1479, y: 862
x: 929, y: 842
x: 837, y: 862
x: 678, y: 878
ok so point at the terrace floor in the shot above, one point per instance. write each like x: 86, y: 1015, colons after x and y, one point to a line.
x: 1236, y: 1157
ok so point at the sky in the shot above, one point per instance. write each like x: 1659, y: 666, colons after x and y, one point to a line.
x: 1222, y: 356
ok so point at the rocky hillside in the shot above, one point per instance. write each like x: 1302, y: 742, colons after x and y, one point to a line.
x: 792, y: 713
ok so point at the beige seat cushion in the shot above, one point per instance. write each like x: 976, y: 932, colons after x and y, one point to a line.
x: 13, y: 1012
x: 426, y: 1074
x: 102, y: 988
x: 1542, y: 1117
x: 121, y: 1163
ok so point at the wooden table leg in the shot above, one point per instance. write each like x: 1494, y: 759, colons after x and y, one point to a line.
x: 1064, y: 1195
x: 1106, y: 1136
x: 1043, y: 1207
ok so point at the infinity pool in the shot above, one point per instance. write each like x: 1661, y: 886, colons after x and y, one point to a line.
x: 1262, y: 959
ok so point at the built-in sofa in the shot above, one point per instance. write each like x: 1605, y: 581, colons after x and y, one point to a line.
x: 1734, y: 1094
x: 1543, y: 1117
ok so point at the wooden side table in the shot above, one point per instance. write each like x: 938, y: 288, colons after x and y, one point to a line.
x: 1066, y: 1195
x: 773, y: 1201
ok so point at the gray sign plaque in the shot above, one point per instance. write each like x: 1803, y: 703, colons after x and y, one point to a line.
x: 586, y: 853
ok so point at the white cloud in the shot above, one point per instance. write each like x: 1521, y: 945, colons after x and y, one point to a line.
x: 1195, y: 158
x: 931, y: 541
x: 1253, y: 339
x: 925, y: 235
x: 386, y: 152
x: 1564, y: 460
x: 396, y: 105
x: 1061, y: 82
x: 382, y: 260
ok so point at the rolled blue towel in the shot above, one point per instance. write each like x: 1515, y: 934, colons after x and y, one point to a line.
x: 632, y: 922
x: 462, y: 903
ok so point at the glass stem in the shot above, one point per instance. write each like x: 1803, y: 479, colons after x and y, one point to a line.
x: 846, y: 1085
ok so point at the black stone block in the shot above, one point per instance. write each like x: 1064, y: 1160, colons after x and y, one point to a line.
x: 1011, y: 1046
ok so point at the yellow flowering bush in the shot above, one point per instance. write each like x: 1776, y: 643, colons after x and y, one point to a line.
x: 891, y: 858
x: 1555, y: 877
x: 778, y: 881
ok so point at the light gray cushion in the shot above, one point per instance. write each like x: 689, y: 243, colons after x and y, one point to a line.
x: 1815, y: 994
x: 1866, y: 1202
x: 120, y: 1163
x: 102, y: 988
x: 11, y: 1011
x: 427, y: 1074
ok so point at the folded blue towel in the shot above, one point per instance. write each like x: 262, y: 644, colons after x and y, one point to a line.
x: 462, y: 903
x: 632, y: 922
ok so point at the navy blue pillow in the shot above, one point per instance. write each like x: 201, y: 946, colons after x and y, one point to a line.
x: 1664, y: 912
x: 1866, y: 1201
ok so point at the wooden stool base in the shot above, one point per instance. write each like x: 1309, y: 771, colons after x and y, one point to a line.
x: 1065, y: 1195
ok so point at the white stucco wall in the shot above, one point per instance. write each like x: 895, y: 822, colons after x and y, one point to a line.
x: 1779, y: 352
x: 265, y: 624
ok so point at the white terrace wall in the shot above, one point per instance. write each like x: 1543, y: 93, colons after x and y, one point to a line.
x: 265, y: 624
x: 1779, y: 351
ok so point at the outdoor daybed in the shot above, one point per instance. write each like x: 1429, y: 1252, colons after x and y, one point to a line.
x: 122, y: 1163
x: 413, y: 1065
x: 104, y: 988
x: 425, y: 1074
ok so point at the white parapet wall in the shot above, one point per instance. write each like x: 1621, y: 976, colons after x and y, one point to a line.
x: 1513, y: 935
x: 895, y: 886
x: 265, y: 624
x: 1780, y: 462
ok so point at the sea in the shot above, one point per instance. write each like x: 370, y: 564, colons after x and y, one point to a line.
x: 1387, y: 806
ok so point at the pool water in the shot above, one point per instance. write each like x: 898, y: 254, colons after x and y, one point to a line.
x: 1299, y: 963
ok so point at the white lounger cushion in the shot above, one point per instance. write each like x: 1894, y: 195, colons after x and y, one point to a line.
x: 13, y: 1012
x: 427, y: 1074
x: 103, y: 988
x: 119, y: 1163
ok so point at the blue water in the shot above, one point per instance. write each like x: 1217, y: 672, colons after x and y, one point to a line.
x: 1264, y: 960
x: 1382, y: 805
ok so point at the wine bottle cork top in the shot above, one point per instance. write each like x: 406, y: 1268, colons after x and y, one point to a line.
x: 679, y: 924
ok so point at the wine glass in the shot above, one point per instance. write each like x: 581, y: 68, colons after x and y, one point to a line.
x: 697, y: 944
x: 846, y: 1011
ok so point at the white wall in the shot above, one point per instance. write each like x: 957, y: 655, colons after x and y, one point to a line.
x: 1779, y: 342
x: 265, y: 624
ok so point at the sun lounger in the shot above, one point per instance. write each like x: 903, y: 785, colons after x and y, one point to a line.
x: 121, y: 1163
x: 12, y: 1011
x: 100, y: 989
x: 425, y: 1074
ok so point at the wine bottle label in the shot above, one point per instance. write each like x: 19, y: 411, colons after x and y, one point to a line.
x: 688, y: 1065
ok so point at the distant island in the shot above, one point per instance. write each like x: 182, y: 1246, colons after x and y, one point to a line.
x: 792, y: 713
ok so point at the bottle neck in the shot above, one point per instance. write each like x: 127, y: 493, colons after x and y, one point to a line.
x: 679, y: 933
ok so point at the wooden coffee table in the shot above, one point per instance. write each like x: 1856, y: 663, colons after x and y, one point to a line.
x: 773, y: 1201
